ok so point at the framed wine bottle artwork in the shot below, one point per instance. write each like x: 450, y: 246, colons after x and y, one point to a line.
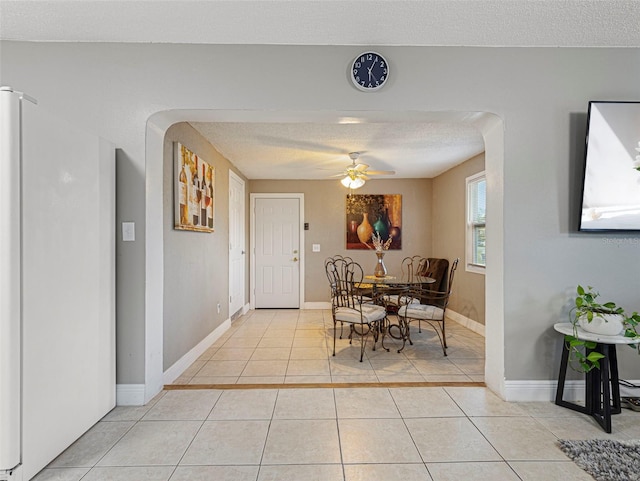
x: 372, y: 214
x: 194, y: 181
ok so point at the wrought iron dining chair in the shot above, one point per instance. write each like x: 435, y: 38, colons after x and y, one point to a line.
x: 411, y: 267
x: 348, y: 305
x: 430, y: 308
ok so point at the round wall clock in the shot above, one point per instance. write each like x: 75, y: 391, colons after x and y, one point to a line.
x: 369, y: 71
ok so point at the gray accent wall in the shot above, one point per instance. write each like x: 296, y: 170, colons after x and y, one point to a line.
x: 535, y: 93
x: 196, y: 264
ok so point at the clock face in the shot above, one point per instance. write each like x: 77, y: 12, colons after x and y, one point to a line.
x: 369, y: 71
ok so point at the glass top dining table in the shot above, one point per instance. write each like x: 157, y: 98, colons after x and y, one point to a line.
x: 398, y: 281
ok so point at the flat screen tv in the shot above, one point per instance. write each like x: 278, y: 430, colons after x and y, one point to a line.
x: 611, y: 187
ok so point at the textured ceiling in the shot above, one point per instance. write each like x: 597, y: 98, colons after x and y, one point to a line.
x: 320, y: 150
x: 566, y: 23
x: 309, y: 149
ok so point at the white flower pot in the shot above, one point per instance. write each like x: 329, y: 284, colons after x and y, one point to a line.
x: 602, y: 324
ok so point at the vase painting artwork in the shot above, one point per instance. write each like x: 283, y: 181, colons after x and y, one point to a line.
x: 194, y: 191
x: 370, y: 214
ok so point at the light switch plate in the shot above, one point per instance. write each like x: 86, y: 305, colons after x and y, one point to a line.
x: 315, y: 247
x: 128, y: 231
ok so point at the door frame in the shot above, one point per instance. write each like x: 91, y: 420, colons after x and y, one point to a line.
x: 252, y: 245
x: 236, y: 177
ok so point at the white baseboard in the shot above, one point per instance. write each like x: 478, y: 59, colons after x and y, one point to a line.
x: 130, y: 394
x: 470, y: 324
x: 185, y: 361
x: 317, y: 305
x: 246, y: 308
x: 525, y: 391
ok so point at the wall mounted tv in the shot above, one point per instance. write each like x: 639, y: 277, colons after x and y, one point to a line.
x: 611, y: 187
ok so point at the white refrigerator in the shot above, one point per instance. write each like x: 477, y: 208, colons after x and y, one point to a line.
x: 57, y: 284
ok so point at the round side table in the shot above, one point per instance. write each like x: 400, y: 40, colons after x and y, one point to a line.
x: 602, y: 388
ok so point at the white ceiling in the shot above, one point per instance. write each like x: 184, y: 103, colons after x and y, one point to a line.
x: 286, y: 150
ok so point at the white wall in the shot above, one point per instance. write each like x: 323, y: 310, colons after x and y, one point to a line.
x: 113, y: 89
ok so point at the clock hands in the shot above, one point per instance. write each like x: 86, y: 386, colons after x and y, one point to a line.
x: 369, y: 69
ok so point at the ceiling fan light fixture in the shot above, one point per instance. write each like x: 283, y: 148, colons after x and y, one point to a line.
x: 352, y: 183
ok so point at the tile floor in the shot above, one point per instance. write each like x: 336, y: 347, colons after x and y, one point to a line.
x: 332, y: 434
x: 295, y: 346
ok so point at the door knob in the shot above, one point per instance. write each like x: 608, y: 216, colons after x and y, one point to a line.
x: 295, y: 259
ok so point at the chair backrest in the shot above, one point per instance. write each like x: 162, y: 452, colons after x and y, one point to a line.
x: 437, y: 269
x: 344, y: 276
x: 413, y: 266
x: 443, y: 286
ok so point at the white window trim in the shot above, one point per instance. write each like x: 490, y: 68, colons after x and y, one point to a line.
x: 469, y: 266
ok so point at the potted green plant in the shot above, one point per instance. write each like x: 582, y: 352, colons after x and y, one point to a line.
x: 604, y: 318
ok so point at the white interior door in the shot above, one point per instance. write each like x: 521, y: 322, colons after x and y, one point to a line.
x: 236, y: 243
x: 277, y: 252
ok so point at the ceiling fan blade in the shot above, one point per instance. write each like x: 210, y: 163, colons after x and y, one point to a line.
x: 381, y: 172
x: 364, y: 177
x: 360, y: 167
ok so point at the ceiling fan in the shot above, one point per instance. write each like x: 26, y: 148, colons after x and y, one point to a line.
x: 357, y: 173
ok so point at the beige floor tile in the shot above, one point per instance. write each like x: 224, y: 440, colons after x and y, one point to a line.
x: 469, y: 366
x: 305, y: 404
x: 435, y: 366
x: 520, y: 438
x: 382, y: 377
x: 309, y: 342
x: 61, y: 474
x: 217, y: 473
x: 356, y: 378
x: 93, y: 445
x: 308, y: 353
x: 127, y: 413
x: 386, y: 472
x: 473, y: 472
x: 245, y: 342
x: 206, y: 355
x: 393, y: 366
x: 150, y: 443
x: 447, y: 378
x: 479, y: 401
x: 265, y: 368
x: 261, y: 380
x: 384, y: 441
x: 307, y: 379
x: 233, y: 354
x: 227, y: 443
x: 213, y: 380
x: 546, y: 470
x: 290, y: 442
x: 419, y: 402
x: 365, y: 403
x: 245, y: 404
x: 193, y: 369
x: 275, y: 342
x: 450, y: 440
x: 271, y: 354
x: 222, y: 368
x: 280, y: 333
x: 308, y: 472
x: 181, y: 405
x: 311, y: 367
x: 139, y: 473
x: 350, y: 367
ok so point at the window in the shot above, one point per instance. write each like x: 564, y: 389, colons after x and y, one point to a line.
x: 476, y: 218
